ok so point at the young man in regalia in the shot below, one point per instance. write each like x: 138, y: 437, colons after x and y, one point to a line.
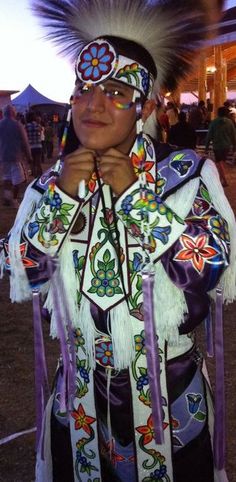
x: 125, y: 240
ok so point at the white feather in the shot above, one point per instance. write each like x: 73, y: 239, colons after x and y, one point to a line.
x: 169, y: 30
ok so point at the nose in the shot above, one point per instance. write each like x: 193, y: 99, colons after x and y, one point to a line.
x: 96, y: 100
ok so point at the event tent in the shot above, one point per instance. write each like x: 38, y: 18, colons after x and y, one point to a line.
x: 30, y: 98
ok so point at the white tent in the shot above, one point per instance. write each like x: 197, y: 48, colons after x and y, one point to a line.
x: 31, y: 98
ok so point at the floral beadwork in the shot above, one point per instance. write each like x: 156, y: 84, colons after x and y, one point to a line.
x: 83, y: 462
x: 194, y: 401
x: 110, y: 449
x: 79, y: 262
x: 96, y: 61
x: 104, y: 353
x: 160, y: 184
x: 140, y: 374
x: 27, y: 262
x: 130, y: 72
x: 92, y: 182
x: 181, y: 164
x: 200, y: 207
x: 140, y: 343
x: 82, y: 420
x: 105, y: 281
x: 147, y: 435
x: 147, y: 167
x: 220, y: 227
x: 159, y: 474
x: 145, y: 80
x: 151, y: 203
x: 196, y: 250
x: 136, y: 305
x: 82, y: 365
x: 53, y: 218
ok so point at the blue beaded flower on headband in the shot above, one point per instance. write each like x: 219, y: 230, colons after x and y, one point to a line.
x: 95, y: 61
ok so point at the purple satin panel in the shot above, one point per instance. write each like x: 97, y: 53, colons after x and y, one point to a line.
x: 61, y: 333
x: 153, y: 363
x: 209, y: 335
x: 180, y: 371
x: 120, y: 403
x: 41, y: 377
x: 219, y: 427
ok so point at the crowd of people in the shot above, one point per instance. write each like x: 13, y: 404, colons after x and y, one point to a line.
x: 193, y: 127
x: 26, y: 142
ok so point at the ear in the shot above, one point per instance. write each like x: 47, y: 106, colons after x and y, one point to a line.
x: 148, y: 107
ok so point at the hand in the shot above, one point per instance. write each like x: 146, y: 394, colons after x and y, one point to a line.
x: 78, y: 166
x: 116, y: 170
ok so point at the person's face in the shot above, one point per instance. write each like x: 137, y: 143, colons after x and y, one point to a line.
x: 98, y: 123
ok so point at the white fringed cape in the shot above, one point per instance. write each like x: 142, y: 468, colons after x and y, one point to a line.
x: 166, y: 293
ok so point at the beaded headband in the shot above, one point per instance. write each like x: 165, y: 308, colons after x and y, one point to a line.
x: 98, y: 61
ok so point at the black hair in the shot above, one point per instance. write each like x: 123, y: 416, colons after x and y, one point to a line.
x: 30, y: 116
x: 223, y: 111
x: 134, y: 50
x: 182, y: 116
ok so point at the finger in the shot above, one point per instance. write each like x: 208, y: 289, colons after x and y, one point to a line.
x: 112, y: 151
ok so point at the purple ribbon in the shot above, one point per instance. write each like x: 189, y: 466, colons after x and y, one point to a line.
x: 67, y: 346
x: 219, y: 425
x: 41, y: 377
x: 15, y: 435
x: 153, y: 362
x: 209, y: 335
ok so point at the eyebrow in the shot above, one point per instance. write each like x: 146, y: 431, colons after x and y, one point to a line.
x: 118, y: 85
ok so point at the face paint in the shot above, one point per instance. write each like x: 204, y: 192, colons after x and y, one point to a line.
x: 116, y: 95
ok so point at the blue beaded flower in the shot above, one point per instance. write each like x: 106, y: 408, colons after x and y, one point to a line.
x: 104, y: 353
x: 142, y: 381
x: 95, y: 61
x: 84, y: 374
x: 126, y: 204
x: 145, y: 80
x: 158, y: 474
x: 194, y: 401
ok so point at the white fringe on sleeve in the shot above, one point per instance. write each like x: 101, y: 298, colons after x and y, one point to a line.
x: 211, y: 179
x: 19, y: 285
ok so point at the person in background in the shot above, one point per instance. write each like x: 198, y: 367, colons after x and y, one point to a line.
x: 222, y: 135
x: 182, y: 134
x: 172, y: 113
x: 33, y: 129
x: 42, y: 124
x: 152, y: 125
x: 163, y: 119
x: 209, y: 108
x: 49, y: 138
x: 15, y: 155
x: 197, y: 119
x: 127, y: 221
x: 232, y: 115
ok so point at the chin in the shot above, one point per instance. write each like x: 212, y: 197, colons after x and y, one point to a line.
x: 95, y: 143
x: 96, y: 146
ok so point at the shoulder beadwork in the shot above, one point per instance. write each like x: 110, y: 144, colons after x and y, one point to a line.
x: 178, y: 168
x: 41, y: 183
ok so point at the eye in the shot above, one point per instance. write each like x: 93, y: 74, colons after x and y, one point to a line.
x: 82, y: 89
x: 85, y: 88
x: 111, y: 92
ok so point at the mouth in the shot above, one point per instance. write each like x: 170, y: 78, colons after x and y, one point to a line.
x: 93, y: 123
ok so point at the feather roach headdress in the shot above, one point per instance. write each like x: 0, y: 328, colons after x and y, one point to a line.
x: 171, y: 31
